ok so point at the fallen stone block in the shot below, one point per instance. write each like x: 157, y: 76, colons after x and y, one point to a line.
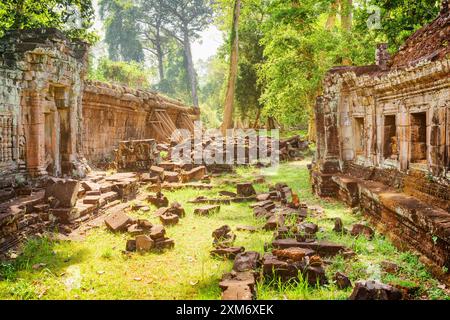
x: 65, y: 191
x: 207, y: 210
x: 316, y: 275
x: 169, y: 219
x: 164, y: 243
x: 260, y: 212
x: 245, y: 189
x: 91, y: 200
x: 90, y: 186
x: 295, y: 254
x: 274, y: 222
x: 227, y: 194
x: 374, y: 290
x: 237, y: 292
x: 338, y: 225
x: 157, y: 232
x: 144, y: 243
x: 246, y: 261
x: 171, y: 177
x: 177, y: 209
x: 117, y: 221
x: 221, y: 232
x: 322, y: 248
x: 65, y: 215
x: 342, y: 281
x: 158, y: 200
x: 195, y: 174
x: 246, y: 278
x: 135, y: 230
x: 286, y: 270
x: 228, y: 252
x: 389, y: 267
x: 156, y: 171
x: 360, y: 229
x: 263, y: 197
x: 308, y: 228
x: 131, y: 245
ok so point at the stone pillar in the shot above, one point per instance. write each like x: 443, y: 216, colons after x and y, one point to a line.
x: 346, y: 129
x: 36, y: 137
x: 404, y: 136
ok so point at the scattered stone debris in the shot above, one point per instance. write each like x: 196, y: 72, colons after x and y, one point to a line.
x: 65, y: 192
x: 158, y: 200
x: 342, y: 281
x: 238, y: 285
x: 227, y: 252
x: 338, y: 225
x: 228, y: 194
x: 144, y: 243
x: 207, y: 210
x: 249, y: 260
x: 323, y: 248
x: 151, y: 238
x: 245, y: 189
x: 196, y: 174
x: 360, y: 229
x: 374, y: 290
x: 223, y: 237
x: 118, y: 221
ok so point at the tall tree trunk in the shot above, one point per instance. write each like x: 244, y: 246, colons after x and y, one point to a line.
x: 258, y: 114
x: 346, y: 23
x: 331, y: 21
x: 160, y: 54
x: 190, y: 67
x: 347, y: 15
x: 234, y: 57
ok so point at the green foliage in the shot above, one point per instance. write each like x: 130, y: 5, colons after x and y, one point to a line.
x: 212, y: 92
x: 175, y: 83
x: 73, y: 17
x: 131, y: 73
x: 122, y: 35
x: 399, y: 19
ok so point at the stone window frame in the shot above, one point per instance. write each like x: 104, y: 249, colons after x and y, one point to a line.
x: 355, y: 118
x: 389, y: 163
x: 422, y: 166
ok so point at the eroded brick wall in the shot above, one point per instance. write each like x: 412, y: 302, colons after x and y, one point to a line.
x: 113, y: 113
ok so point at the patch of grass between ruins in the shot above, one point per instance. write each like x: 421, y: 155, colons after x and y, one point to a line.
x: 97, y: 268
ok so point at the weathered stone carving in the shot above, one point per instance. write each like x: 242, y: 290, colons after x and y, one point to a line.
x: 136, y: 155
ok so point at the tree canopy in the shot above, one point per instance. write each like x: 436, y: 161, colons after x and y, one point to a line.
x: 74, y: 17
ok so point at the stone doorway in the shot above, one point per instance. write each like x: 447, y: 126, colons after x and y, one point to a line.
x: 419, y: 137
x: 57, y: 132
x: 359, y: 135
x: 390, y: 137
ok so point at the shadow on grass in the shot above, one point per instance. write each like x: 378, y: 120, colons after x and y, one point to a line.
x: 39, y: 258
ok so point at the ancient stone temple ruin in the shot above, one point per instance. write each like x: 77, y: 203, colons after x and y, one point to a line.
x: 383, y: 140
x: 53, y: 122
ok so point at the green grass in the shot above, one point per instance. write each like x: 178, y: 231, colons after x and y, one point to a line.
x: 96, y: 268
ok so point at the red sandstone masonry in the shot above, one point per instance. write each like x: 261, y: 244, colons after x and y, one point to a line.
x: 113, y: 113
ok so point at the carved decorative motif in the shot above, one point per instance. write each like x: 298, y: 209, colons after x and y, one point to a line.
x: 6, y: 138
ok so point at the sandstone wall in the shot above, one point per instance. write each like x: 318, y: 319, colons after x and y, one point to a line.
x: 114, y: 113
x: 383, y: 141
x: 41, y: 75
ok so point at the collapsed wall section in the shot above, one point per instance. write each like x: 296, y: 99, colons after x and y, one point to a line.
x: 113, y: 113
